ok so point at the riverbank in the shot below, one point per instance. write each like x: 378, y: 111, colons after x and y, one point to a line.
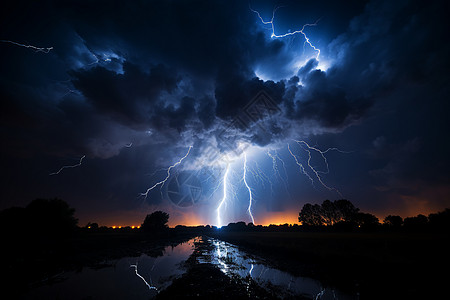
x: 206, y: 281
x: 45, y: 259
x: 375, y: 265
x: 362, y: 265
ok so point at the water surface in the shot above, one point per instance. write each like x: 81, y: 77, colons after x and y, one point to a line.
x: 144, y: 276
x: 233, y: 261
x: 126, y: 278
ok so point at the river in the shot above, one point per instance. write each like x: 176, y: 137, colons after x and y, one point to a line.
x: 144, y: 276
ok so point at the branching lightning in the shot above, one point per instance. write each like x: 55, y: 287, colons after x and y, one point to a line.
x: 252, y: 169
x: 274, y: 163
x: 250, y: 201
x: 150, y: 286
x: 302, y: 168
x: 322, y: 153
x: 306, y: 168
x: 301, y: 31
x: 224, y: 198
x: 306, y: 147
x: 34, y: 48
x: 261, y: 176
x: 67, y: 167
x: 162, y: 182
x: 275, y: 158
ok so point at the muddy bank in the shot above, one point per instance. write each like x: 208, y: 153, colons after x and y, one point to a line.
x: 45, y: 261
x: 205, y: 280
x: 261, y: 266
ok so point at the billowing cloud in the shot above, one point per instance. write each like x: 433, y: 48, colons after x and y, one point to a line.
x: 162, y: 76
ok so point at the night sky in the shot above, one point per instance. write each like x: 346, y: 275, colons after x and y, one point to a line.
x: 131, y: 88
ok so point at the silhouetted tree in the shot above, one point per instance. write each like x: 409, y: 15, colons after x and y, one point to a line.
x: 156, y: 221
x: 393, y: 221
x: 239, y: 226
x: 329, y: 213
x: 440, y: 221
x: 92, y: 226
x: 346, y: 209
x: 415, y: 223
x: 51, y: 217
x: 311, y: 215
x: 13, y: 221
x: 366, y: 220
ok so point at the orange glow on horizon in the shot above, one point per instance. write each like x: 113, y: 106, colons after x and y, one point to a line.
x: 192, y: 219
x: 186, y: 219
x: 278, y: 218
x: 196, y: 217
x: 125, y: 226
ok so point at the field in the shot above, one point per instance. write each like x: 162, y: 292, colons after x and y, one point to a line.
x: 376, y: 265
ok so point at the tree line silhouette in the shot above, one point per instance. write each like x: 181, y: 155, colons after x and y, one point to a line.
x: 44, y: 238
x: 342, y: 215
x: 54, y: 218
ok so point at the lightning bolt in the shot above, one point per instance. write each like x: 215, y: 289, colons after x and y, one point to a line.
x: 302, y: 168
x: 274, y: 163
x: 224, y: 198
x: 275, y: 157
x: 97, y: 60
x: 301, y: 31
x: 34, y: 48
x: 320, y: 294
x: 67, y: 167
x: 322, y: 153
x: 260, y: 176
x: 250, y: 201
x: 306, y: 147
x: 162, y: 182
x: 150, y: 287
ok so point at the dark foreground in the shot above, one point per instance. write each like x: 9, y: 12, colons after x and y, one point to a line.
x: 206, y: 281
x: 372, y: 265
x: 44, y: 259
x: 362, y: 265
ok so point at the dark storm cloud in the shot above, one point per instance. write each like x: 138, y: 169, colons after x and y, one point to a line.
x: 217, y: 42
x: 319, y: 99
x: 128, y: 97
x: 308, y: 67
x: 206, y: 111
x: 130, y: 71
x: 151, y: 45
x: 167, y: 74
x: 172, y: 117
x: 236, y: 92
